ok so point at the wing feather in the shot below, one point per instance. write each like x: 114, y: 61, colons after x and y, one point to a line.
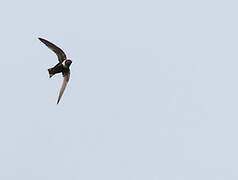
x: 59, y: 52
x: 65, y: 82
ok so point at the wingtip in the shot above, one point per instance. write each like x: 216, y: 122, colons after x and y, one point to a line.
x: 58, y: 100
x: 41, y: 39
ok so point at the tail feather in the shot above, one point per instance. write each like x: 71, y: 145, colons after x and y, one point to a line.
x: 51, y: 73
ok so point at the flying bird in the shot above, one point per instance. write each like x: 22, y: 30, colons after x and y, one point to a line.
x: 61, y: 67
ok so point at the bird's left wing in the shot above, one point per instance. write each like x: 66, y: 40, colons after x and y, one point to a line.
x: 59, y: 52
x: 65, y: 82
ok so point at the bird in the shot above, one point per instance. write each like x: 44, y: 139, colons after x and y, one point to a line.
x: 61, y: 67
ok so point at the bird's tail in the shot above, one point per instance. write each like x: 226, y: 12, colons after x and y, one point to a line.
x: 51, y: 73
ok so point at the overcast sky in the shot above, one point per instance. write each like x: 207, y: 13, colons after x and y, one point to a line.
x: 153, y: 90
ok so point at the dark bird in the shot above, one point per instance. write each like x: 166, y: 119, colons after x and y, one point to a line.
x: 61, y: 67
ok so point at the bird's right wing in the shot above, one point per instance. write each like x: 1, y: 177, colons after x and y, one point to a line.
x: 65, y: 82
x: 59, y: 52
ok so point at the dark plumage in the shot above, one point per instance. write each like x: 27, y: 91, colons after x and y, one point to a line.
x: 61, y: 67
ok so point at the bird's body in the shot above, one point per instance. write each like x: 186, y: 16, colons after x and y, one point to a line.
x: 61, y: 67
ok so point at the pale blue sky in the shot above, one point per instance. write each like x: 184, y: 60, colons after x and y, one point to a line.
x: 153, y: 93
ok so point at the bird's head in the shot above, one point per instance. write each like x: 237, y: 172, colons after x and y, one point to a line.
x: 68, y: 62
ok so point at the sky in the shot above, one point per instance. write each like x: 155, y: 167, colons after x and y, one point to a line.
x: 152, y: 95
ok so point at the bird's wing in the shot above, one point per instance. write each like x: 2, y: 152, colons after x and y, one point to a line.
x: 59, y: 52
x: 65, y: 82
